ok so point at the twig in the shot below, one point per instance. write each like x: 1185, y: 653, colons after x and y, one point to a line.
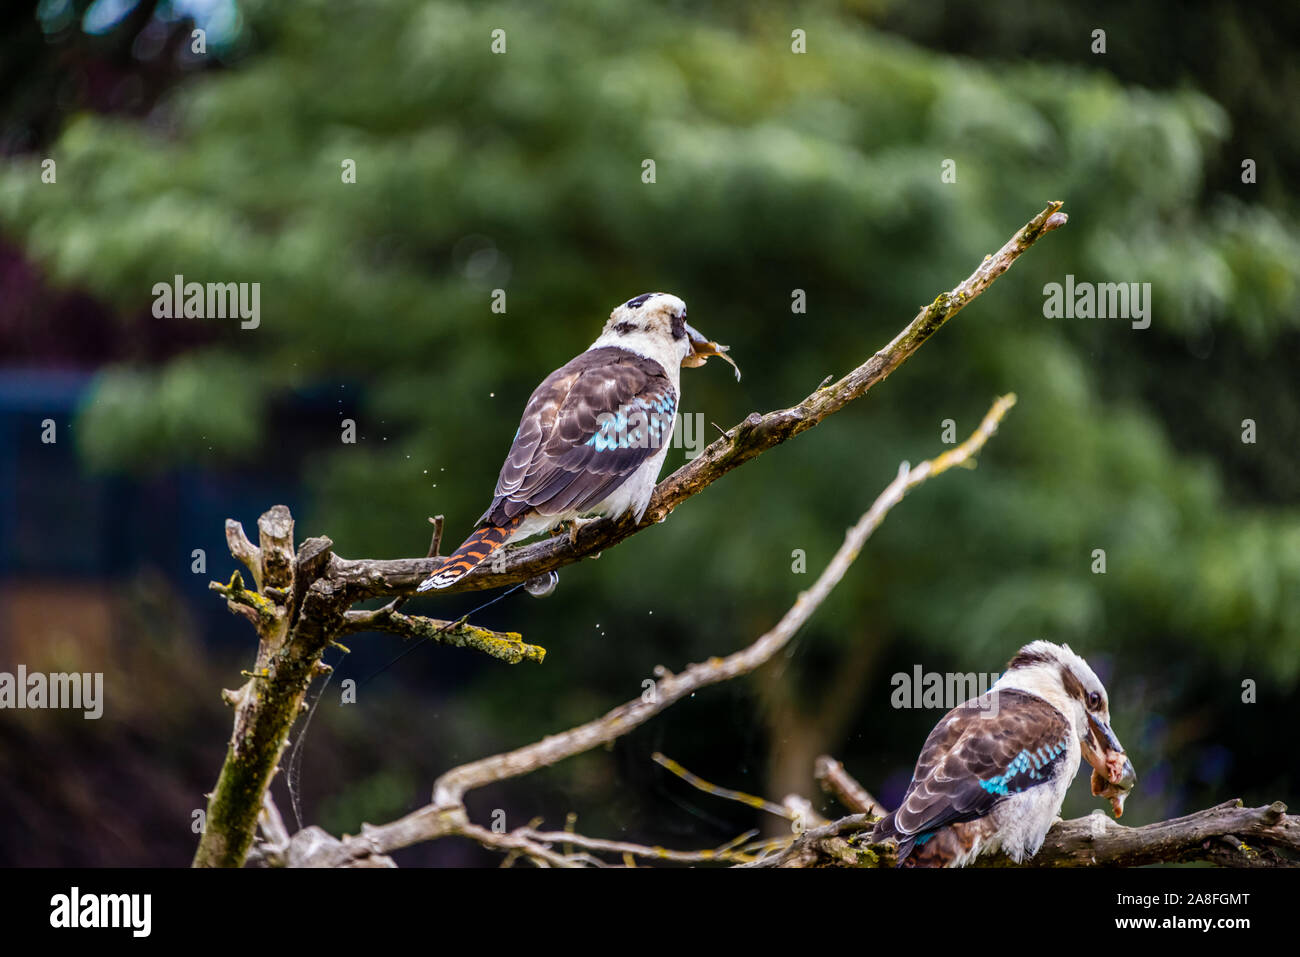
x: 696, y: 781
x: 830, y: 774
x: 435, y: 543
x: 507, y: 646
x: 243, y: 549
x: 824, y: 845
x: 727, y: 852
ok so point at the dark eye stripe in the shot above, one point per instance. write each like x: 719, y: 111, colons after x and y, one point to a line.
x: 679, y: 327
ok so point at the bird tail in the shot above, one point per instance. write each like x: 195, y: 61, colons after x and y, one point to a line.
x: 472, y: 553
x: 953, y: 845
x: 886, y: 829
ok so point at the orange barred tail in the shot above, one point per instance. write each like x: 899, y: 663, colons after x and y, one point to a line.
x: 472, y: 553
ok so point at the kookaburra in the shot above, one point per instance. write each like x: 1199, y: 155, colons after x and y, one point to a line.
x: 993, y: 773
x: 594, y: 434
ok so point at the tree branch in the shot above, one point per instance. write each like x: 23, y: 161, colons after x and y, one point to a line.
x: 1215, y: 835
x: 830, y: 774
x: 446, y: 814
x: 302, y: 602
x: 507, y: 646
x: 267, y: 705
x: 739, y: 444
x: 1228, y: 835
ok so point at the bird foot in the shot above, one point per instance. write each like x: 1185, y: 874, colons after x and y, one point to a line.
x: 575, y: 525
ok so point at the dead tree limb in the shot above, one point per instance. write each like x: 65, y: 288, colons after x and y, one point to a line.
x: 1229, y: 835
x: 446, y: 815
x: 739, y: 444
x: 303, y: 601
x: 830, y: 774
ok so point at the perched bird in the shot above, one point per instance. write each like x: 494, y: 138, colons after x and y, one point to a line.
x: 594, y: 434
x: 993, y: 773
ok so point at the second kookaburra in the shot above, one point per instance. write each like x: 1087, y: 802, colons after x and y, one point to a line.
x: 594, y: 434
x: 993, y: 773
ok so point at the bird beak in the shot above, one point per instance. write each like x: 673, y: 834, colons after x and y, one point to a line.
x: 702, y: 348
x: 1113, y: 776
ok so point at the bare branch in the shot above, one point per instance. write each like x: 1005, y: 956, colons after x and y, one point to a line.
x: 275, y: 542
x: 521, y: 842
x: 434, y: 544
x: 303, y: 602
x: 830, y: 774
x: 742, y: 442
x: 243, y: 549
x: 507, y: 646
x: 707, y: 787
x: 825, y: 846
x: 446, y: 813
x: 450, y: 789
x: 1228, y: 835
x: 727, y: 852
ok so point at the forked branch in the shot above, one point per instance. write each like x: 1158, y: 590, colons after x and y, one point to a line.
x: 446, y: 815
x: 302, y: 602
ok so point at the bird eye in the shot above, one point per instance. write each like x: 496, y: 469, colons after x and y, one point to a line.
x: 1094, y: 701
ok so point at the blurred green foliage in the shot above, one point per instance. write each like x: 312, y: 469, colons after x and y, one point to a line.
x: 774, y: 171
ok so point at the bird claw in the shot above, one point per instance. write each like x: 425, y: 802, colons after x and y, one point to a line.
x: 576, y: 525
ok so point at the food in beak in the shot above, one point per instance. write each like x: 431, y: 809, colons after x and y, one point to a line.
x: 1117, y: 792
x: 1113, y: 776
x: 702, y: 349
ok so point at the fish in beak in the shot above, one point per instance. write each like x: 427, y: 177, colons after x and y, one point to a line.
x: 1113, y: 776
x: 702, y: 348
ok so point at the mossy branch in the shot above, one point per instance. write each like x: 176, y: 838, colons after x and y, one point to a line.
x: 446, y: 815
x: 507, y: 646
x: 1227, y: 835
x: 304, y: 601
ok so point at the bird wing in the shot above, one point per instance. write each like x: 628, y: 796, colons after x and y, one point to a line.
x: 586, y: 428
x: 981, y: 753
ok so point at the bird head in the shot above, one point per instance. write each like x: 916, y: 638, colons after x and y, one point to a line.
x: 655, y: 322
x: 1060, y: 676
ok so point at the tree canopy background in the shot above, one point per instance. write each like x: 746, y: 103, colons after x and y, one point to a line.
x: 775, y: 171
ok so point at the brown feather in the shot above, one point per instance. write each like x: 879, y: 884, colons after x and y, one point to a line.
x: 973, y: 743
x: 551, y: 468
